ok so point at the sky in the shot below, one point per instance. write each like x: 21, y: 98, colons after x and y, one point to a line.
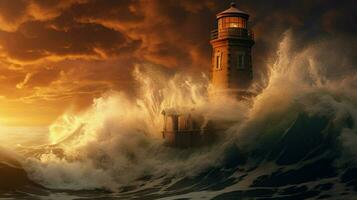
x: 57, y: 55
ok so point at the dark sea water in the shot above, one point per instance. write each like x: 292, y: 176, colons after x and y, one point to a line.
x: 304, y: 160
x: 296, y: 140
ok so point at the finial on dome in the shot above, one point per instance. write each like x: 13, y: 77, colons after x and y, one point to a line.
x: 233, y: 4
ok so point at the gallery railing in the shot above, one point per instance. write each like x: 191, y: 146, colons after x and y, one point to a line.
x: 232, y: 32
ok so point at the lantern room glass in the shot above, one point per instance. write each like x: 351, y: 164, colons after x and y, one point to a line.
x: 231, y: 22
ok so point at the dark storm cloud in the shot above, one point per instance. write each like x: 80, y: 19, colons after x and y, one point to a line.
x: 51, y: 38
x: 170, y: 30
x: 12, y: 10
x: 35, y: 39
x: 165, y: 28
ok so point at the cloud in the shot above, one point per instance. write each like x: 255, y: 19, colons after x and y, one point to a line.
x: 38, y: 40
x: 23, y: 83
x: 75, y: 49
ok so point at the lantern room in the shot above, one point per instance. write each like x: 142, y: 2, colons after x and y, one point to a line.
x: 232, y: 18
x: 232, y: 22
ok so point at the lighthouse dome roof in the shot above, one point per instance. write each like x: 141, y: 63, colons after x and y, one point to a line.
x: 233, y: 11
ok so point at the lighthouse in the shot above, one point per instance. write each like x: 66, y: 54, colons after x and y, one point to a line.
x: 232, y: 41
x: 231, y: 74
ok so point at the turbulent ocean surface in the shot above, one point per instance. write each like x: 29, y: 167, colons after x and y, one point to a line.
x: 296, y: 139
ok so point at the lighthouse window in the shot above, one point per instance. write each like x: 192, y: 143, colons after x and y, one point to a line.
x: 231, y: 22
x: 218, y: 60
x: 240, y: 61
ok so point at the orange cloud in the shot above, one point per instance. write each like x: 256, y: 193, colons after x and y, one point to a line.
x: 55, y: 53
x: 23, y: 83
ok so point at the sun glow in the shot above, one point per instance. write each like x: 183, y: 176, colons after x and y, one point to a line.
x: 12, y: 136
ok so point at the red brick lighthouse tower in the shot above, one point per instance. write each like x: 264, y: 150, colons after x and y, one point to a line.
x: 232, y: 41
x: 231, y: 74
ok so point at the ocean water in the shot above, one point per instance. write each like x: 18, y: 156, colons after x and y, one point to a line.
x: 297, y: 139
